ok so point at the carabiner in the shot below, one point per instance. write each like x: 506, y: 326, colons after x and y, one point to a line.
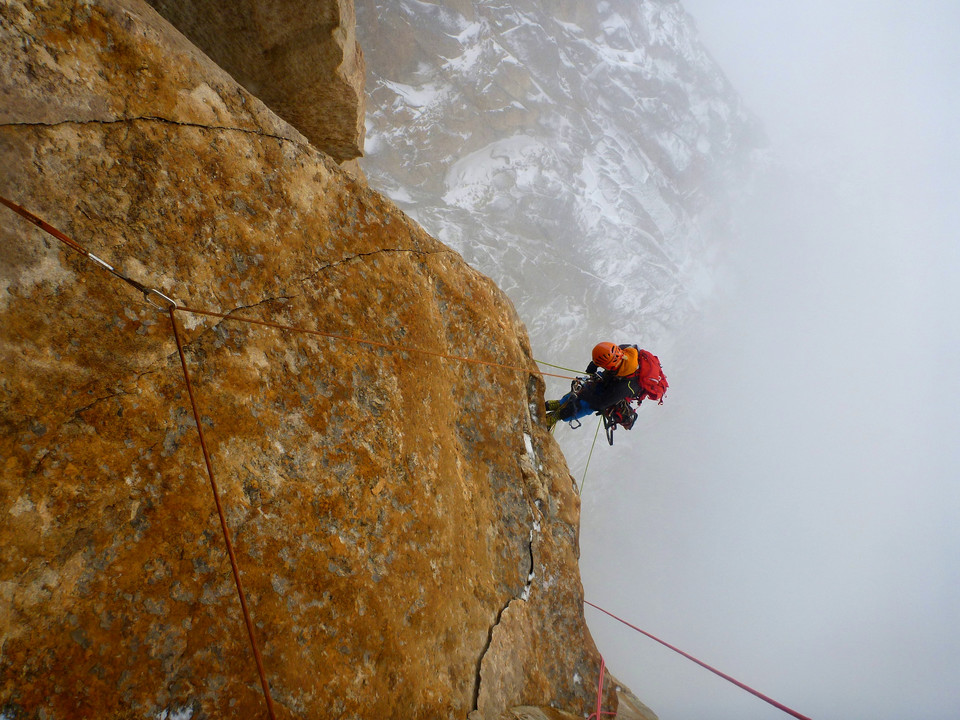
x: 170, y: 304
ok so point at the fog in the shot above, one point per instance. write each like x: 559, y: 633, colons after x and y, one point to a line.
x: 789, y: 514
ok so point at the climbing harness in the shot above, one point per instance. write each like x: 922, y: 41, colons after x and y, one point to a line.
x: 620, y: 413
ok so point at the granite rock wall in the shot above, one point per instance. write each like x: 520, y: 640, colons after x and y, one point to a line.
x: 300, y: 57
x: 405, y: 529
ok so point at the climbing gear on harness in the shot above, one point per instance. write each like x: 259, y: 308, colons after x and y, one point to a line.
x: 580, y: 382
x: 584, y: 393
x: 619, y: 414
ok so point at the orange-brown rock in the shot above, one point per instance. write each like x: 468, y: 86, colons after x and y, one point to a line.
x: 628, y: 708
x: 405, y: 529
x: 300, y: 57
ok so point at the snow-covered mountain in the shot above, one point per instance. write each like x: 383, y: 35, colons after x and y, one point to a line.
x: 580, y: 154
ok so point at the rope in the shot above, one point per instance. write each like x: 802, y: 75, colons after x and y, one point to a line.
x: 587, y: 466
x: 151, y: 294
x: 702, y: 664
x: 603, y: 667
x: 223, y: 521
x: 558, y: 367
x: 599, y: 713
x: 148, y: 293
x: 363, y: 341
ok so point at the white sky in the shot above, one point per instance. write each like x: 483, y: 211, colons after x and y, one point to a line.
x: 792, y: 513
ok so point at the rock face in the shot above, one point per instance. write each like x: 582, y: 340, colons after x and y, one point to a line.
x: 405, y: 529
x: 300, y: 57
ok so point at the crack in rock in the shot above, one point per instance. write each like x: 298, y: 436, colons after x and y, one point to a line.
x: 536, y: 516
x: 156, y: 119
x: 523, y: 596
x: 218, y: 321
x: 425, y: 253
x: 531, y: 574
x: 75, y: 415
x: 120, y: 390
x: 483, y: 654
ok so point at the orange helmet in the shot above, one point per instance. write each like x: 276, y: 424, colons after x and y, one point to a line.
x: 607, y: 355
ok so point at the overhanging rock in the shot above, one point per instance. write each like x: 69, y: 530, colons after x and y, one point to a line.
x: 300, y: 57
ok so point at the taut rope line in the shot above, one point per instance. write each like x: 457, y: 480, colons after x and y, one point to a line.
x: 170, y: 306
x: 558, y: 367
x: 148, y: 293
x: 586, y: 467
x: 223, y: 521
x: 363, y: 341
x: 779, y: 706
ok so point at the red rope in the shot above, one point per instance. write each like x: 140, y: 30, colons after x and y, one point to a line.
x: 29, y: 216
x: 149, y: 293
x: 362, y: 341
x: 223, y: 522
x: 603, y: 667
x: 73, y: 245
x: 702, y: 664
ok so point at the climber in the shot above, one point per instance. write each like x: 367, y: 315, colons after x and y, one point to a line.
x: 616, y: 375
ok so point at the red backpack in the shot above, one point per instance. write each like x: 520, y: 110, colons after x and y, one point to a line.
x: 653, y: 382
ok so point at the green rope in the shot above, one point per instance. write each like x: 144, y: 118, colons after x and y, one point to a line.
x: 558, y: 367
x: 595, y: 436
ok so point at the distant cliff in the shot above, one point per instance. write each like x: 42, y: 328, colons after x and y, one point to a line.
x: 406, y: 531
x: 581, y: 154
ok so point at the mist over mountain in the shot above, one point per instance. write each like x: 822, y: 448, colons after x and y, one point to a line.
x: 581, y: 155
x: 794, y: 537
